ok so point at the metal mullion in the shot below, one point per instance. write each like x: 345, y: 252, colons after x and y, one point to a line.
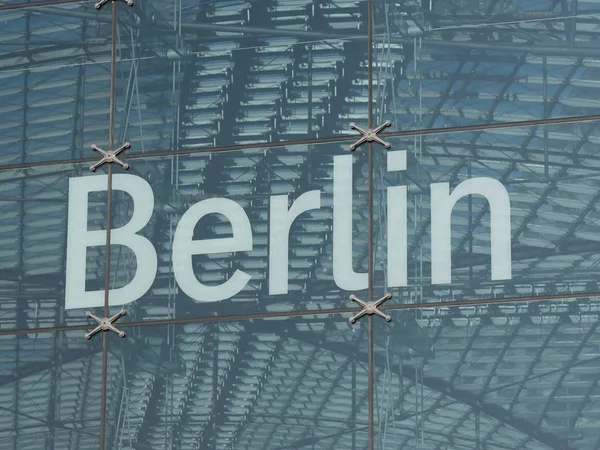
x: 370, y: 247
x: 317, y: 312
x: 103, y: 391
x: 371, y: 384
x: 329, y: 140
x: 38, y: 3
x: 111, y: 127
x: 371, y: 350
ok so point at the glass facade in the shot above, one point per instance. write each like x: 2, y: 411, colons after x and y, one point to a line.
x: 280, y: 224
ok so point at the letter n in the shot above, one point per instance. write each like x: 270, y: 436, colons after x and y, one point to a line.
x: 442, y: 204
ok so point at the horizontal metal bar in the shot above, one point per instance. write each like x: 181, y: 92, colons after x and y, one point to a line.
x: 318, y: 312
x: 37, y: 3
x: 317, y: 141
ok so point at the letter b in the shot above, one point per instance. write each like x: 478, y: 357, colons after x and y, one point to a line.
x: 79, y: 238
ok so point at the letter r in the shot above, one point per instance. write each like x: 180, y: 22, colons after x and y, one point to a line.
x: 280, y: 222
x: 79, y: 238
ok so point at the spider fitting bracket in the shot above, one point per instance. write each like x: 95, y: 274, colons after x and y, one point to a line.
x: 110, y: 156
x: 370, y: 308
x: 370, y: 135
x: 101, y: 3
x: 105, y: 324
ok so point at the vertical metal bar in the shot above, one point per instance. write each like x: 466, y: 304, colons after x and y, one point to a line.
x: 477, y: 431
x: 401, y: 390
x: 370, y: 249
x: 310, y: 89
x: 111, y: 132
x: 370, y: 259
x: 545, y: 100
x: 103, y: 395
x: 471, y: 224
x: 212, y: 430
x: 370, y: 64
x: 417, y: 412
x: 370, y: 245
x: 370, y: 152
x: 354, y: 402
x: 371, y: 387
x: 422, y: 401
x: 111, y: 146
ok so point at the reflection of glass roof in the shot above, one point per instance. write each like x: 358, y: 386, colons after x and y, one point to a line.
x: 236, y: 87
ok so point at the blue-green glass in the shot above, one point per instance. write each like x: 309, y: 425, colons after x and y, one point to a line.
x: 549, y: 178
x: 55, y: 77
x: 512, y: 375
x: 239, y: 73
x: 440, y: 64
x: 282, y: 383
x: 34, y: 219
x: 50, y: 386
x: 250, y: 179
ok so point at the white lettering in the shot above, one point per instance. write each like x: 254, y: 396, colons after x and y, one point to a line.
x: 343, y: 272
x: 281, y: 218
x: 442, y: 203
x: 79, y: 238
x: 397, y: 227
x: 280, y: 221
x: 184, y: 247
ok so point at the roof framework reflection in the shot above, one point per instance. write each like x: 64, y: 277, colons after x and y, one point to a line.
x: 554, y: 49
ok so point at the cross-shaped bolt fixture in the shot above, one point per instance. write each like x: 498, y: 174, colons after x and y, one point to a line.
x: 110, y: 156
x: 101, y: 3
x: 105, y: 324
x: 370, y: 135
x: 370, y: 308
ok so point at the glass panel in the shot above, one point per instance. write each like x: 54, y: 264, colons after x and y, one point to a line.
x: 541, y: 237
x: 240, y: 73
x: 497, y: 376
x: 55, y: 76
x: 15, y: 4
x: 286, y: 383
x: 444, y: 63
x: 49, y: 384
x: 35, y: 227
x: 240, y: 269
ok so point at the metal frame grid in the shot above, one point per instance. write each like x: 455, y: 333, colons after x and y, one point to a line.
x: 383, y: 368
